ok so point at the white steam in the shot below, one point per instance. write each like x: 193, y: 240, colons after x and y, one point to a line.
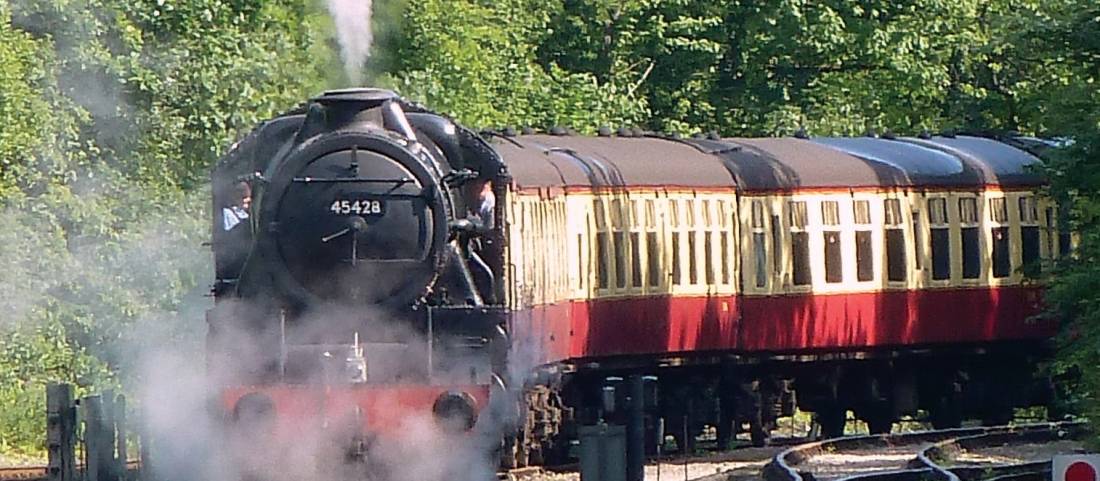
x: 353, y: 31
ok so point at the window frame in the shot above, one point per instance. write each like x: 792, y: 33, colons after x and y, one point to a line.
x: 962, y: 226
x: 933, y: 225
x: 874, y: 239
x: 898, y: 224
x: 795, y: 230
x: 1000, y: 204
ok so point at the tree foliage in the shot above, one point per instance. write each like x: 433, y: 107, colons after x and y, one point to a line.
x: 113, y: 111
x: 476, y: 61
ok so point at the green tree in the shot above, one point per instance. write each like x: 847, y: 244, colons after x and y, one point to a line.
x: 476, y: 61
x: 113, y: 112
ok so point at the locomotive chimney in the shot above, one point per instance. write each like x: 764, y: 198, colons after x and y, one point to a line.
x: 356, y: 109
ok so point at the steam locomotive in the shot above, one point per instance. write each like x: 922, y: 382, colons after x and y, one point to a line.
x: 377, y: 262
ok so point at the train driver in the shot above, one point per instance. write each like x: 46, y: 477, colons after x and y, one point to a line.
x: 483, y: 202
x: 236, y: 212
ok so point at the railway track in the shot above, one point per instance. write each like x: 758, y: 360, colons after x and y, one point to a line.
x: 32, y: 473
x: 947, y: 455
x: 741, y: 464
x: 39, y: 473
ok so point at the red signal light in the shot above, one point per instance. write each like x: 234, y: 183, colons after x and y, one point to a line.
x: 1080, y: 471
x: 1075, y: 467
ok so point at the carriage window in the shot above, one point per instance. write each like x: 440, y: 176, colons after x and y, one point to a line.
x: 800, y: 244
x: 892, y: 210
x: 918, y: 246
x: 636, y: 259
x: 650, y: 215
x: 757, y: 214
x: 708, y: 255
x: 971, y: 244
x: 725, y: 259
x: 834, y: 260
x: 653, y: 254
x: 861, y: 211
x: 865, y: 270
x: 676, y: 271
x: 998, y: 210
x: 620, y: 259
x: 602, y: 269
x: 830, y: 212
x: 617, y: 213
x: 1029, y: 230
x: 1065, y: 241
x: 1002, y: 260
x: 777, y: 246
x: 797, y: 214
x: 895, y: 241
x: 693, y: 266
x: 600, y: 220
x: 941, y: 244
x: 759, y: 255
x: 582, y: 271
x: 1029, y: 210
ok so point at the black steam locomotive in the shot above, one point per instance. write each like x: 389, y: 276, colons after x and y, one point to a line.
x: 353, y: 250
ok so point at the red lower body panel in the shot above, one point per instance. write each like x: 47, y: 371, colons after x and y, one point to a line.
x: 678, y: 325
x: 378, y: 408
x: 625, y: 326
x: 892, y: 318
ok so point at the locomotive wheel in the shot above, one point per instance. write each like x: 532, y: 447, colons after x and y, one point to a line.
x: 832, y: 421
x: 760, y: 433
x: 879, y: 418
x: 880, y: 425
x: 513, y: 454
x: 945, y: 415
x: 997, y: 415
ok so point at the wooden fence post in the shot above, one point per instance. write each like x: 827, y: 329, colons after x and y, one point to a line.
x: 60, y: 433
x: 120, y: 439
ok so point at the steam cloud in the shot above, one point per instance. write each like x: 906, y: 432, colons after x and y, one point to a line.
x: 353, y: 31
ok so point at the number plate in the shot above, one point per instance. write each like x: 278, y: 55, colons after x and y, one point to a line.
x: 362, y: 207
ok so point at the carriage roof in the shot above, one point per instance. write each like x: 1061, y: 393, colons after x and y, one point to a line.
x: 765, y: 164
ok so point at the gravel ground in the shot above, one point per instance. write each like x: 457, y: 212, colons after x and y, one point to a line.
x: 826, y: 466
x: 737, y: 465
x: 20, y: 461
x: 1014, y: 454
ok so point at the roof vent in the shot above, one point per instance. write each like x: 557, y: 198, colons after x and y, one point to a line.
x: 889, y: 135
x: 625, y: 132
x: 604, y: 131
x: 949, y: 133
x: 925, y: 134
x: 870, y: 133
x: 801, y: 133
x: 558, y: 130
x: 509, y: 131
x: 713, y: 135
